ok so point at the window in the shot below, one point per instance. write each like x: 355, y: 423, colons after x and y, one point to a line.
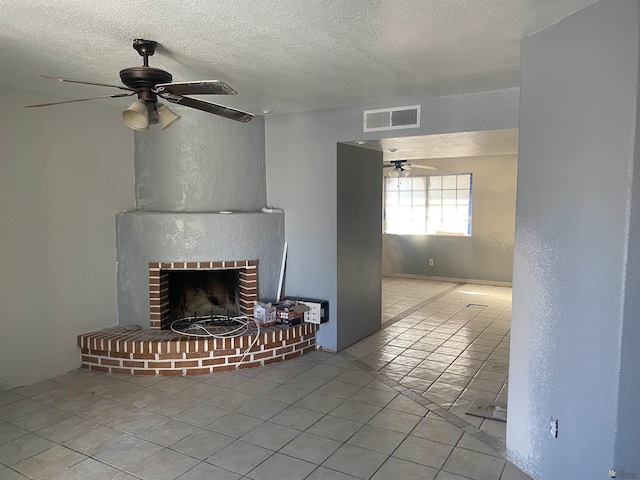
x: 406, y: 205
x: 449, y: 205
x: 431, y: 205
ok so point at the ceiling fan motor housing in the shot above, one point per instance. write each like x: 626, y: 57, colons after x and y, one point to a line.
x: 143, y: 79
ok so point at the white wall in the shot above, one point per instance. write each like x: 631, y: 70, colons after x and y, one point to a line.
x: 64, y: 173
x: 487, y: 255
x: 574, y: 337
x: 302, y: 171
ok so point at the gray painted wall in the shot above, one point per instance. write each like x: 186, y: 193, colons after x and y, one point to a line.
x: 574, y: 339
x: 627, y: 448
x: 202, y: 163
x: 488, y: 254
x: 64, y: 172
x: 145, y: 237
x: 302, y: 178
x: 359, y: 269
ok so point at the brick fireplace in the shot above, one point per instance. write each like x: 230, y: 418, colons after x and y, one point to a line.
x: 152, y: 245
x: 195, y: 215
x: 159, y: 286
x: 142, y: 344
x: 159, y: 350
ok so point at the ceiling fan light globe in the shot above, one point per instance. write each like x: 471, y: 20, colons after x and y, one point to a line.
x: 137, y: 116
x: 394, y: 173
x: 166, y: 117
x: 405, y: 173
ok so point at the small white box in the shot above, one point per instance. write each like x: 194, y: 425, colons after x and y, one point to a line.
x: 264, y: 313
x: 315, y: 314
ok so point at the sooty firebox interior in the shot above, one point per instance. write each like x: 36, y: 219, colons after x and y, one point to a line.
x: 201, y: 293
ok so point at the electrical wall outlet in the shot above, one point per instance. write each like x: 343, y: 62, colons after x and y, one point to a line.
x: 553, y: 428
x: 431, y: 262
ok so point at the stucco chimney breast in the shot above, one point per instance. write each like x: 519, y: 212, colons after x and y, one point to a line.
x: 184, y: 178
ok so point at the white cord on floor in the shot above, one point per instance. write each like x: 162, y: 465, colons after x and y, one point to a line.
x: 203, y: 324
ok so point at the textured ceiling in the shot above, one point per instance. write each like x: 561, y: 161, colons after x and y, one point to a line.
x: 283, y: 56
x: 449, y: 145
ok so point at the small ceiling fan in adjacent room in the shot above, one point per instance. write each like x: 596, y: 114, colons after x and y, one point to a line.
x: 402, y: 168
x: 149, y: 83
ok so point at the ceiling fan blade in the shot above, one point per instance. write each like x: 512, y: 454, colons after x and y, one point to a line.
x: 221, y: 110
x: 203, y: 87
x: 426, y: 167
x: 81, y: 99
x: 60, y: 79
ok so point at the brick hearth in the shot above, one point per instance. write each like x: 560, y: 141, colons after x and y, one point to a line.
x: 164, y: 352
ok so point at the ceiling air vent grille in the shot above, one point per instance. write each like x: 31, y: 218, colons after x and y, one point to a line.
x: 392, y: 118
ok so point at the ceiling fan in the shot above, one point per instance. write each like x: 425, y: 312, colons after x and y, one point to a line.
x: 149, y: 83
x: 402, y: 168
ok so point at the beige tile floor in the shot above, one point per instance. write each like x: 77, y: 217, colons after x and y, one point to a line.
x: 324, y: 416
x: 447, y: 342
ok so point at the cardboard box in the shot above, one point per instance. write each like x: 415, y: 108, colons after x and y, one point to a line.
x: 287, y: 311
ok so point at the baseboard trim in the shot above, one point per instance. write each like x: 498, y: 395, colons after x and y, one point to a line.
x: 449, y: 279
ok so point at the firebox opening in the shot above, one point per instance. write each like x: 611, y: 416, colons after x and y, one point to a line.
x: 200, y: 293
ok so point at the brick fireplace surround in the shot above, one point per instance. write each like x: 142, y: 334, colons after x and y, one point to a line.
x: 160, y: 351
x: 159, y: 286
